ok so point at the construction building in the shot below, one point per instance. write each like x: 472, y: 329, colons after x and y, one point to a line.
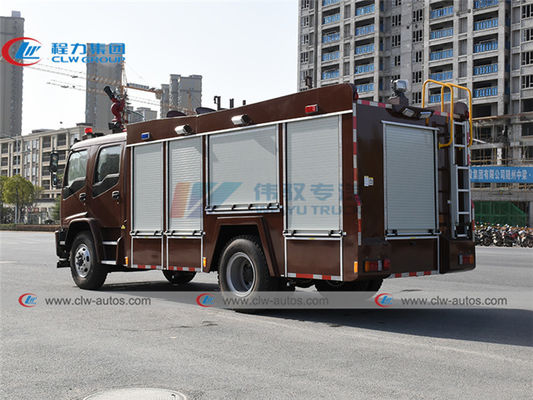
x: 185, y: 92
x: 11, y: 78
x: 485, y: 45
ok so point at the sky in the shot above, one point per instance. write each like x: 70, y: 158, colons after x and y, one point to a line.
x: 244, y: 49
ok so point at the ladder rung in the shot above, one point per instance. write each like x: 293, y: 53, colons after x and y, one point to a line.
x: 463, y: 190
x: 461, y: 167
x: 463, y: 212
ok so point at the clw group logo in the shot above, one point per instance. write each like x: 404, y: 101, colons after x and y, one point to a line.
x: 28, y: 300
x: 26, y: 53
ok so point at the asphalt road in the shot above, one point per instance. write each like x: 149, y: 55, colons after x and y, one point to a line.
x: 72, y: 352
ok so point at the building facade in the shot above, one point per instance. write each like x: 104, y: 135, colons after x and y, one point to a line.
x: 485, y: 45
x: 11, y: 78
x: 97, y: 103
x: 185, y: 92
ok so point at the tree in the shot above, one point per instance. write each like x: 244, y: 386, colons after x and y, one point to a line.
x: 3, y: 180
x: 20, y: 192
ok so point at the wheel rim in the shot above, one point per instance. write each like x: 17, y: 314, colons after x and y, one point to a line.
x: 82, y: 261
x: 241, y: 275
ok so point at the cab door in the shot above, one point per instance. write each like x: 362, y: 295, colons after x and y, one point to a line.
x: 106, y: 198
x: 74, y: 192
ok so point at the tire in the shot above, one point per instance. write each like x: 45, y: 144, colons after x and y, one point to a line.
x: 243, y: 269
x: 179, y: 277
x: 86, y: 272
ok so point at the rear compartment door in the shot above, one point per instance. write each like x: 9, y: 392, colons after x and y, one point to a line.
x: 409, y: 157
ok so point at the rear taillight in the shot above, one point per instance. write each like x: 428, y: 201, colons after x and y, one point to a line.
x: 377, y: 265
x: 466, y: 259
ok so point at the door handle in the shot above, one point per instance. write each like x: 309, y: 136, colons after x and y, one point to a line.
x: 115, y: 195
x: 83, y: 197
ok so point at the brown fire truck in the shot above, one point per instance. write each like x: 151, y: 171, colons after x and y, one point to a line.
x: 318, y: 187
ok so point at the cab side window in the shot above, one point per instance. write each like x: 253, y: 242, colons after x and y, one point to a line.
x: 76, y: 172
x: 107, y: 170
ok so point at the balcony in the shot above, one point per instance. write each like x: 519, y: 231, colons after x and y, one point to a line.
x: 485, y: 46
x: 330, y: 74
x: 484, y: 3
x: 441, y: 12
x: 368, y: 87
x: 439, y: 55
x: 331, y: 56
x: 485, y: 92
x: 331, y: 18
x: 486, y: 24
x: 368, y: 48
x: 485, y: 69
x: 364, y: 30
x: 435, y: 98
x: 441, y: 76
x: 326, y: 3
x: 332, y: 37
x: 363, y: 69
x: 441, y: 33
x: 365, y: 10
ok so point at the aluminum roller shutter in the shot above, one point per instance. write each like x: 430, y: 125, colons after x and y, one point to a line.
x: 185, y: 185
x: 148, y: 188
x: 409, y: 158
x: 241, y: 164
x: 313, y: 175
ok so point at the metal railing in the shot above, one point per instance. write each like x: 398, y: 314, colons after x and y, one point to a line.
x: 485, y: 69
x: 441, y: 12
x: 486, y: 24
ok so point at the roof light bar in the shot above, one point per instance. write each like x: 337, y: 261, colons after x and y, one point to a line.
x: 183, y: 130
x: 241, y: 120
x: 145, y: 135
x: 311, y: 109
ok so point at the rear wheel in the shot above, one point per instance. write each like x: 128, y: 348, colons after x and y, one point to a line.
x: 86, y: 271
x: 243, y: 269
x: 179, y: 277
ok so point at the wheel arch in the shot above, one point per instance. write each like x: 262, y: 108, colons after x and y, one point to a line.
x: 80, y: 225
x: 225, y: 231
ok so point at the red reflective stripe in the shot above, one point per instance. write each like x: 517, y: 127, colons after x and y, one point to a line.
x: 382, y: 105
x: 397, y: 275
x: 355, y: 147
x: 427, y: 272
x: 365, y: 102
x: 355, y: 174
x: 153, y: 266
x: 412, y: 273
x: 359, y: 225
x: 326, y: 277
x: 436, y: 112
x: 354, y: 122
x: 141, y: 266
x: 305, y: 276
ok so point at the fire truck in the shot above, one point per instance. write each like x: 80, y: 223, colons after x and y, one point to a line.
x: 314, y: 188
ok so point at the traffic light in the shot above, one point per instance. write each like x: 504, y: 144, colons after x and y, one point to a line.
x: 54, y: 162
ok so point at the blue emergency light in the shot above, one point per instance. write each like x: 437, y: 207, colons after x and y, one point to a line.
x: 145, y: 135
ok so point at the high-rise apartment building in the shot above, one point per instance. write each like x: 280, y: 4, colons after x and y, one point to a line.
x: 185, y: 92
x: 97, y: 103
x: 486, y: 45
x: 11, y: 78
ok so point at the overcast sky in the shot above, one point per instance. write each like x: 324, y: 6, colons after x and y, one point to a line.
x: 244, y: 49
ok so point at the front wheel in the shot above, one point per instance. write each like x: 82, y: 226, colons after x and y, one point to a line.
x: 86, y: 271
x: 179, y: 277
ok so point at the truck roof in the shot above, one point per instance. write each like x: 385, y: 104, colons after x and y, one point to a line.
x: 111, y: 138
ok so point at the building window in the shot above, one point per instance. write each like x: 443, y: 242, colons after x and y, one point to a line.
x: 305, y: 20
x: 417, y: 97
x: 394, y: 77
x: 305, y: 4
x: 527, y: 11
x: 527, y: 58
x: 527, y: 35
x: 417, y: 76
x: 396, y: 20
x: 418, y: 15
x: 396, y: 41
x: 419, y: 55
x: 527, y: 81
x: 397, y: 61
x: 305, y: 39
x: 418, y: 36
x: 397, y: 3
x: 304, y: 57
